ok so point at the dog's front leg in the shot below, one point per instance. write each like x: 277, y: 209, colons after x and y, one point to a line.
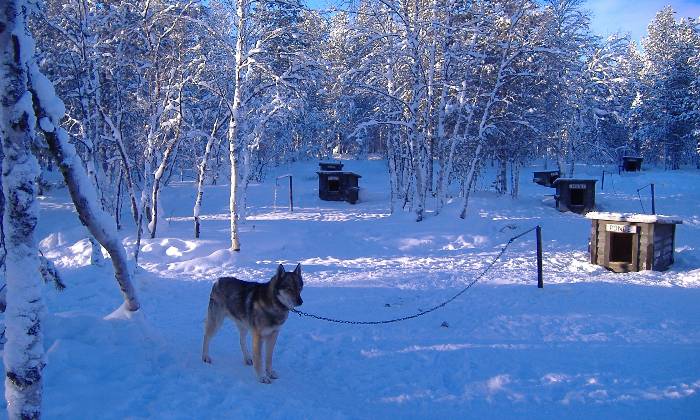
x: 269, y: 348
x: 257, y: 358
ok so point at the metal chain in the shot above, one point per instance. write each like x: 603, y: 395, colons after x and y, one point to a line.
x: 421, y: 313
x: 641, y: 202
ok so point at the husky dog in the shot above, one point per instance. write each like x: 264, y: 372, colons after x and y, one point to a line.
x: 260, y: 307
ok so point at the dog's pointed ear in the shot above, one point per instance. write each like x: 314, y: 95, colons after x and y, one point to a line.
x: 297, y: 272
x: 280, y: 271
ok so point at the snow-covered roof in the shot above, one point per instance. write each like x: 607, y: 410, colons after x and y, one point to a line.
x: 575, y: 180
x: 633, y: 217
x: 339, y: 173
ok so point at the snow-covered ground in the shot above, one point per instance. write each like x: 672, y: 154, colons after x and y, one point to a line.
x: 591, y: 344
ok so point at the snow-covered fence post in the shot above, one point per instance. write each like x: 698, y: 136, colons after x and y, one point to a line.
x: 23, y: 354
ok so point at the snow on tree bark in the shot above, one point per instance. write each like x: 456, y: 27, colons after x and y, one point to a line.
x: 23, y: 354
x: 49, y: 110
x: 201, y: 175
x: 234, y: 123
x: 100, y: 225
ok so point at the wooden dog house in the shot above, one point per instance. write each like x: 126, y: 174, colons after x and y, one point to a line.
x: 632, y: 242
x: 545, y: 178
x: 337, y: 185
x: 631, y: 163
x: 575, y: 195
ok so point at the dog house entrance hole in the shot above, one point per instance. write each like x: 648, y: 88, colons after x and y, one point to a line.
x: 333, y: 184
x: 577, y: 196
x: 621, y: 247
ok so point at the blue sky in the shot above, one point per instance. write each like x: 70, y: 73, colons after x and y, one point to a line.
x: 634, y: 16
x: 610, y: 16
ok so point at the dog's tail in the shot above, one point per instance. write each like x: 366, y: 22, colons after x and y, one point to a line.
x: 215, y: 314
x: 215, y: 317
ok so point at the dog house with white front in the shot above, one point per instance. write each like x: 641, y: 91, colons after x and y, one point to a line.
x: 575, y: 195
x: 632, y: 242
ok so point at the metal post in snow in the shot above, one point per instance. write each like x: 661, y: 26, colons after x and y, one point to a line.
x: 602, y: 182
x: 291, y: 191
x: 291, y: 196
x: 274, y: 197
x: 540, y: 281
x: 653, y: 201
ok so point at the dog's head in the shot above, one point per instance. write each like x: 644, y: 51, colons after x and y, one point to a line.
x: 287, y: 286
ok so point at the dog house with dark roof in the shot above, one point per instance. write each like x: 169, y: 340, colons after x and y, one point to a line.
x: 632, y: 242
x: 575, y: 195
x: 631, y: 163
x: 545, y: 178
x: 331, y: 166
x: 334, y: 184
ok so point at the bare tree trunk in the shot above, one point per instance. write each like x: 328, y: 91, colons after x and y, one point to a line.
x: 158, y: 176
x: 23, y: 354
x: 117, y: 135
x: 482, y: 130
x: 201, y: 174
x: 514, y: 179
x: 502, y: 176
x: 96, y: 257
x: 233, y: 123
x: 561, y: 162
x: 139, y: 235
x: 391, y: 160
x: 118, y: 203
x: 3, y: 247
x: 233, y: 198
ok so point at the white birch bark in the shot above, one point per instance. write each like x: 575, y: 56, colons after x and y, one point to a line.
x: 115, y: 127
x: 201, y: 176
x: 23, y: 354
x: 233, y: 122
x: 158, y: 175
x: 49, y: 111
x: 507, y: 57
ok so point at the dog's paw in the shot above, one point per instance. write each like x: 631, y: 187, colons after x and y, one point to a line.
x: 248, y: 361
x: 264, y: 379
x: 272, y: 374
x: 206, y: 359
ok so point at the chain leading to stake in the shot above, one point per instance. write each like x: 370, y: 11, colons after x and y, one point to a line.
x: 427, y: 311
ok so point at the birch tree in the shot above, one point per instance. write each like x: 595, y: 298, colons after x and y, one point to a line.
x: 23, y: 354
x: 264, y: 59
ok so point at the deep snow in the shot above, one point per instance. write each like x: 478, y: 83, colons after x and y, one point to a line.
x: 590, y: 344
